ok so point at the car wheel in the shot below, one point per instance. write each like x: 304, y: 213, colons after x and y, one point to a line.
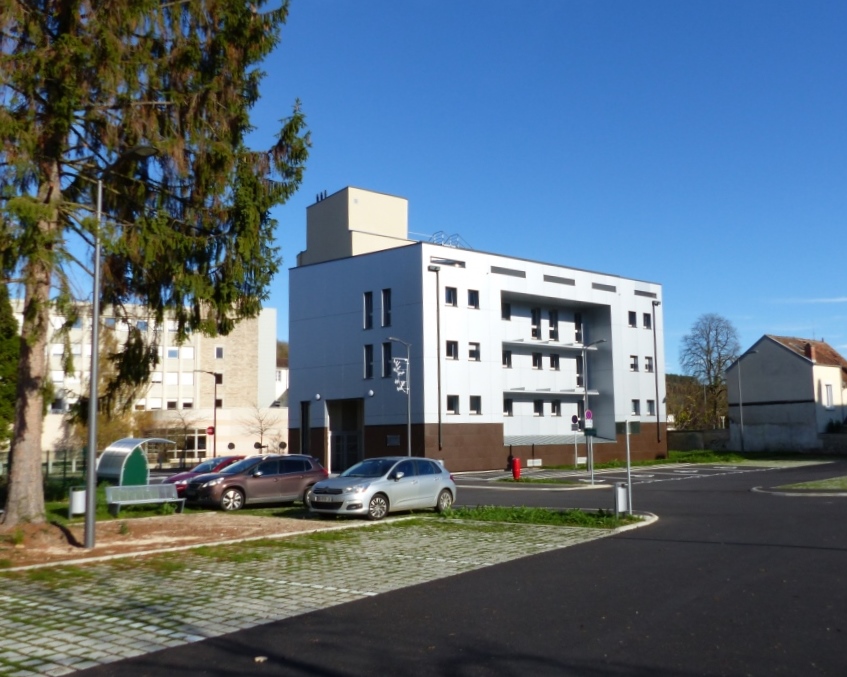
x: 378, y: 507
x: 445, y: 501
x: 306, y: 503
x: 232, y: 499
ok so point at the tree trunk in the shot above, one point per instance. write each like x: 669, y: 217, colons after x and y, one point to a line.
x: 25, y: 498
x: 25, y: 494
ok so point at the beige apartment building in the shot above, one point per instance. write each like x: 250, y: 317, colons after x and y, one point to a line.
x: 237, y: 372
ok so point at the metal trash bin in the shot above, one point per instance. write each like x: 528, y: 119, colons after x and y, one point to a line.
x: 76, y: 502
x: 621, y: 505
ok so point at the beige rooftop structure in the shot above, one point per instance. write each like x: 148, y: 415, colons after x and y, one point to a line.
x: 352, y: 222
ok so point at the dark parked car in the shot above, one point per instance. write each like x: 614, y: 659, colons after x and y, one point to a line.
x: 377, y: 486
x: 210, y: 465
x: 270, y: 478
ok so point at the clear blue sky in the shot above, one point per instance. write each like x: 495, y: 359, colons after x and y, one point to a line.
x: 698, y: 144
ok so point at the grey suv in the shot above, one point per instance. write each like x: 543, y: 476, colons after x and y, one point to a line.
x: 257, y: 479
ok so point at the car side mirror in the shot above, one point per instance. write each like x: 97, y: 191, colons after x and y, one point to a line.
x: 257, y: 473
x: 399, y: 475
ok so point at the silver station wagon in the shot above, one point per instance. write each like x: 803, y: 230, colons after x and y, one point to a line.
x: 376, y: 486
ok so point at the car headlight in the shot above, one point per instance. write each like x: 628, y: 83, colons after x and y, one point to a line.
x: 356, y: 488
x: 213, y: 483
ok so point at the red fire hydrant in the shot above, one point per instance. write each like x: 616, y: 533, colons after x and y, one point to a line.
x: 516, y: 468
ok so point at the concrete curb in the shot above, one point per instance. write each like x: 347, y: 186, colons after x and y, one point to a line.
x: 801, y: 494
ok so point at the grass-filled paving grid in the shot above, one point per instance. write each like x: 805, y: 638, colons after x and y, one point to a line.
x: 120, y: 608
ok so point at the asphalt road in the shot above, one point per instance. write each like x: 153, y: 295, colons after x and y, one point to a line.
x: 728, y: 582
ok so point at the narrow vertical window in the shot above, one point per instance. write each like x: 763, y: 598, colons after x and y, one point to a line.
x: 219, y: 352
x: 556, y: 408
x: 507, y: 359
x: 451, y: 297
x: 553, y: 321
x: 475, y: 405
x: 538, y: 407
x: 368, y: 310
x: 648, y: 364
x: 453, y: 404
x: 633, y: 362
x: 536, y: 361
x: 506, y: 311
x: 633, y: 322
x: 580, y: 371
x: 369, y: 361
x: 305, y: 422
x: 387, y: 364
x: 651, y: 407
x: 636, y: 408
x: 648, y: 321
x: 473, y: 298
x: 554, y: 362
x: 536, y: 323
x: 507, y: 406
x: 577, y: 326
x: 386, y: 307
x: 452, y: 350
x: 473, y: 352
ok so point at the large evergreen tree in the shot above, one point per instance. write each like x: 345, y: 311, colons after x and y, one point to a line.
x: 88, y: 90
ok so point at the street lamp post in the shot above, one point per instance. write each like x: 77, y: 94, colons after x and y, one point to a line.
x: 93, y: 395
x: 405, y: 386
x: 589, y: 446
x: 740, y: 398
x: 628, y: 473
x: 656, y: 304
x: 214, y: 413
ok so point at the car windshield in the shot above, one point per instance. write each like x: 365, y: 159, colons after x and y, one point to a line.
x: 374, y: 467
x: 241, y: 466
x: 205, y: 466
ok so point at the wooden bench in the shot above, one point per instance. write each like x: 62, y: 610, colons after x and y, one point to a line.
x: 140, y: 494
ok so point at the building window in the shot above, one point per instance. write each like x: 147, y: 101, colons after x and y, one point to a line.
x: 538, y: 407
x: 452, y: 404
x: 188, y: 404
x: 219, y: 352
x: 536, y: 323
x: 386, y: 307
x: 387, y: 364
x: 476, y: 405
x: 508, y: 409
x: 507, y: 359
x: 577, y: 326
x: 473, y: 352
x: 155, y: 403
x: 636, y: 408
x: 553, y: 317
x: 473, y: 298
x: 369, y: 361
x: 556, y: 408
x: 536, y: 361
x: 173, y: 353
x: 828, y: 396
x: 579, y: 371
x: 506, y: 311
x: 633, y: 362
x: 451, y: 297
x: 648, y: 364
x: 171, y: 379
x: 156, y: 377
x: 219, y: 378
x: 368, y: 310
x: 171, y: 404
x: 452, y: 350
x: 554, y: 362
x: 651, y: 407
x: 140, y: 324
x: 633, y: 322
x: 648, y: 321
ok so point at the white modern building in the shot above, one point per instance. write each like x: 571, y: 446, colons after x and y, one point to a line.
x: 236, y: 372
x: 504, y: 352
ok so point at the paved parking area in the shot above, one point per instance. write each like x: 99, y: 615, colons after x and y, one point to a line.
x: 60, y: 620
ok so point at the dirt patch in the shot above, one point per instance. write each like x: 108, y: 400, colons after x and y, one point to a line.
x: 48, y: 543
